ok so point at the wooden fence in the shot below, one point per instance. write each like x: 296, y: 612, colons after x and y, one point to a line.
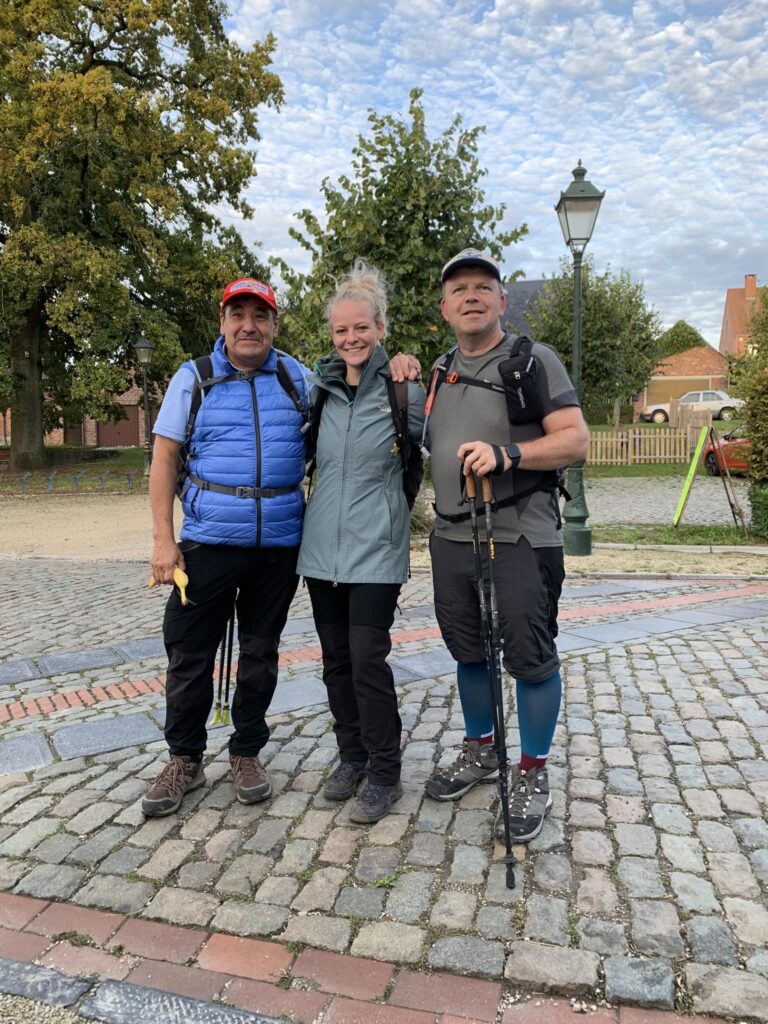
x: 633, y: 445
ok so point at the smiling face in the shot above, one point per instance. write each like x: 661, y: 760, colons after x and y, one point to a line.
x: 249, y: 327
x: 355, y: 333
x: 472, y: 303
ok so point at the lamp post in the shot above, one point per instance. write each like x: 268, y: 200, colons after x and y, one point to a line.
x: 144, y: 350
x: 577, y: 210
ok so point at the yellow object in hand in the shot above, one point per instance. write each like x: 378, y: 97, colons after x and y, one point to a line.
x: 181, y: 580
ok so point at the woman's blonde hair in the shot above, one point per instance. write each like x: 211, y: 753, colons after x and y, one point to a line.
x: 364, y: 281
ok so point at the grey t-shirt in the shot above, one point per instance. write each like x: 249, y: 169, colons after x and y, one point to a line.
x: 463, y: 412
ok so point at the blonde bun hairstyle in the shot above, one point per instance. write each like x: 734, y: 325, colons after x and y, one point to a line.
x: 364, y: 281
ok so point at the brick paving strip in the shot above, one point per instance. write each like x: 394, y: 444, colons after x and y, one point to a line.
x: 119, y: 970
x: 646, y: 887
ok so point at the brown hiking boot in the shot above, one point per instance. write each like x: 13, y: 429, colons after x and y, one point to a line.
x: 251, y: 782
x: 178, y: 777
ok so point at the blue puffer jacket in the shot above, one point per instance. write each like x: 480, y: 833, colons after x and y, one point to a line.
x: 247, y: 433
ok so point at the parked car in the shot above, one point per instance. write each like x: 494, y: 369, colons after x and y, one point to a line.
x: 732, y: 451
x: 720, y: 404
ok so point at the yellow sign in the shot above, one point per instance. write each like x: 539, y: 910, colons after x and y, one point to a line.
x: 691, y: 476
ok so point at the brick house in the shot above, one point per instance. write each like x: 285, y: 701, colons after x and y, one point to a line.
x: 126, y: 433
x: 701, y: 368
x: 740, y: 306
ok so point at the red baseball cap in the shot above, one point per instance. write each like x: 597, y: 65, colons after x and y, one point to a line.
x: 249, y: 286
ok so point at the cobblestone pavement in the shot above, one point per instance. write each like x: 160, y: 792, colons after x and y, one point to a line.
x: 646, y: 887
x: 654, y: 500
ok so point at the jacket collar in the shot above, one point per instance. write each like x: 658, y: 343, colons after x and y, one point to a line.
x: 331, y: 369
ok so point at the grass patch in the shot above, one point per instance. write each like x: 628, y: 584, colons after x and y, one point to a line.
x: 653, y: 469
x: 117, y: 468
x: 662, y: 534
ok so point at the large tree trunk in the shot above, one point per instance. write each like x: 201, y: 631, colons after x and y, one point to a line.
x: 27, y: 451
x: 616, y: 413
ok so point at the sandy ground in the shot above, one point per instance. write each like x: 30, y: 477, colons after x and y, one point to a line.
x: 119, y: 527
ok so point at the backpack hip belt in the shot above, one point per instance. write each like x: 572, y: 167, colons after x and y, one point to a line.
x: 242, y: 492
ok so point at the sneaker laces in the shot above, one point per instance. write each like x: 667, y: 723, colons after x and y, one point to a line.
x: 524, y: 788
x: 250, y: 769
x: 454, y: 769
x: 372, y: 793
x: 345, y: 770
x: 172, y: 774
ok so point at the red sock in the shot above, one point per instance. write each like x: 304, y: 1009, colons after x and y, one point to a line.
x: 527, y: 762
x: 482, y: 740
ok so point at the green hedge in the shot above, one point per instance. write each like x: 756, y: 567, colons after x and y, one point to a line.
x: 758, y: 500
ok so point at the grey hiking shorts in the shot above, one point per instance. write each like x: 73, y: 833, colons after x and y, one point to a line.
x: 528, y: 585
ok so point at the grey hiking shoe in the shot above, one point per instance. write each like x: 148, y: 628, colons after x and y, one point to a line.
x: 529, y: 801
x: 178, y: 777
x: 251, y: 782
x: 342, y: 783
x: 375, y: 802
x: 477, y: 762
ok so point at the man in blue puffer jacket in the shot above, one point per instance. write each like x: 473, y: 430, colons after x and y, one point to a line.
x: 243, y: 507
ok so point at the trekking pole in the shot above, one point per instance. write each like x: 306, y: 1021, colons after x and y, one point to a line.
x: 216, y: 717
x: 489, y: 632
x: 230, y: 639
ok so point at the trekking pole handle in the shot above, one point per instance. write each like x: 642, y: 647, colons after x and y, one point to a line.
x: 471, y: 485
x: 487, y: 492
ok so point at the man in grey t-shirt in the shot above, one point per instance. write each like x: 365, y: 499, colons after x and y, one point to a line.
x: 470, y: 432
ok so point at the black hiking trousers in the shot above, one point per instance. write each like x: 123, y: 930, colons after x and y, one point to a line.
x: 260, y: 583
x: 353, y: 622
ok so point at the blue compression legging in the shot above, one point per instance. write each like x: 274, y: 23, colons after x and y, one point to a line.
x: 538, y: 705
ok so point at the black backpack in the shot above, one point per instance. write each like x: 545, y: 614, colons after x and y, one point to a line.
x: 410, y: 454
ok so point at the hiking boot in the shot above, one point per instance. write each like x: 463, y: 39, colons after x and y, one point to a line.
x: 178, y: 777
x: 343, y: 782
x: 477, y: 762
x: 529, y: 801
x: 251, y: 782
x: 375, y: 802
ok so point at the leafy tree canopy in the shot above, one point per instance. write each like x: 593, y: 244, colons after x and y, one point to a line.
x: 620, y: 332
x: 680, y: 337
x: 408, y: 205
x: 121, y: 124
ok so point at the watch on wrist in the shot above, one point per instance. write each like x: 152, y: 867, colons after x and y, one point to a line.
x: 514, y: 454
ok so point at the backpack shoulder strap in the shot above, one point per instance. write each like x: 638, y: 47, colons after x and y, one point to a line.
x: 398, y: 403
x: 203, y: 370
x: 288, y: 385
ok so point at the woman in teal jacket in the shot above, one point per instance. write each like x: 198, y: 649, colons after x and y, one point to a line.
x: 354, y: 550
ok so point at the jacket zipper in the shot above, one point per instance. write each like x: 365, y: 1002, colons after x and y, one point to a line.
x: 341, y: 495
x: 258, y: 458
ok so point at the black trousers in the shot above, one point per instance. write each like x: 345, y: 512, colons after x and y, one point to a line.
x: 260, y: 584
x: 353, y: 622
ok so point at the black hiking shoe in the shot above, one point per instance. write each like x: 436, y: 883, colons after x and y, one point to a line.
x: 477, y: 762
x: 251, y: 782
x: 342, y: 783
x: 178, y: 777
x: 375, y: 802
x: 529, y: 802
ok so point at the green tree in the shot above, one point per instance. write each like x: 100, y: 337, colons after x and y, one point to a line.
x: 680, y: 337
x: 408, y: 204
x: 121, y: 124
x: 620, y: 332
x: 754, y: 387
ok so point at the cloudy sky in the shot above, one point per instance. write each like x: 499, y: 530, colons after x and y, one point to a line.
x: 664, y: 101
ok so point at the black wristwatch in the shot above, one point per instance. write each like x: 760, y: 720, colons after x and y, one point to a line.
x: 514, y: 454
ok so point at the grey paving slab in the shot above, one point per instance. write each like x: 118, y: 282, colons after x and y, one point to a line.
x: 40, y: 983
x: 17, y: 672
x: 704, y: 616
x: 104, y: 734
x: 740, y: 610
x: 301, y: 692
x: 298, y: 626
x: 138, y: 650
x: 118, y: 1002
x: 21, y: 753
x: 428, y: 665
x: 418, y: 612
x: 658, y: 623
x: 570, y: 642
x: 76, y: 661
x: 609, y: 632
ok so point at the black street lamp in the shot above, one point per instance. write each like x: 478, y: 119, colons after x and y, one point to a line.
x: 144, y: 350
x: 577, y: 210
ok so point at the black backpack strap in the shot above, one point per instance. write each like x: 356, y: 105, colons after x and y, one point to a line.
x: 544, y: 485
x: 288, y: 385
x: 203, y: 371
x: 397, y: 393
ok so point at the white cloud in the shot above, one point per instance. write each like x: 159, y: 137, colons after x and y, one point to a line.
x: 665, y: 102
